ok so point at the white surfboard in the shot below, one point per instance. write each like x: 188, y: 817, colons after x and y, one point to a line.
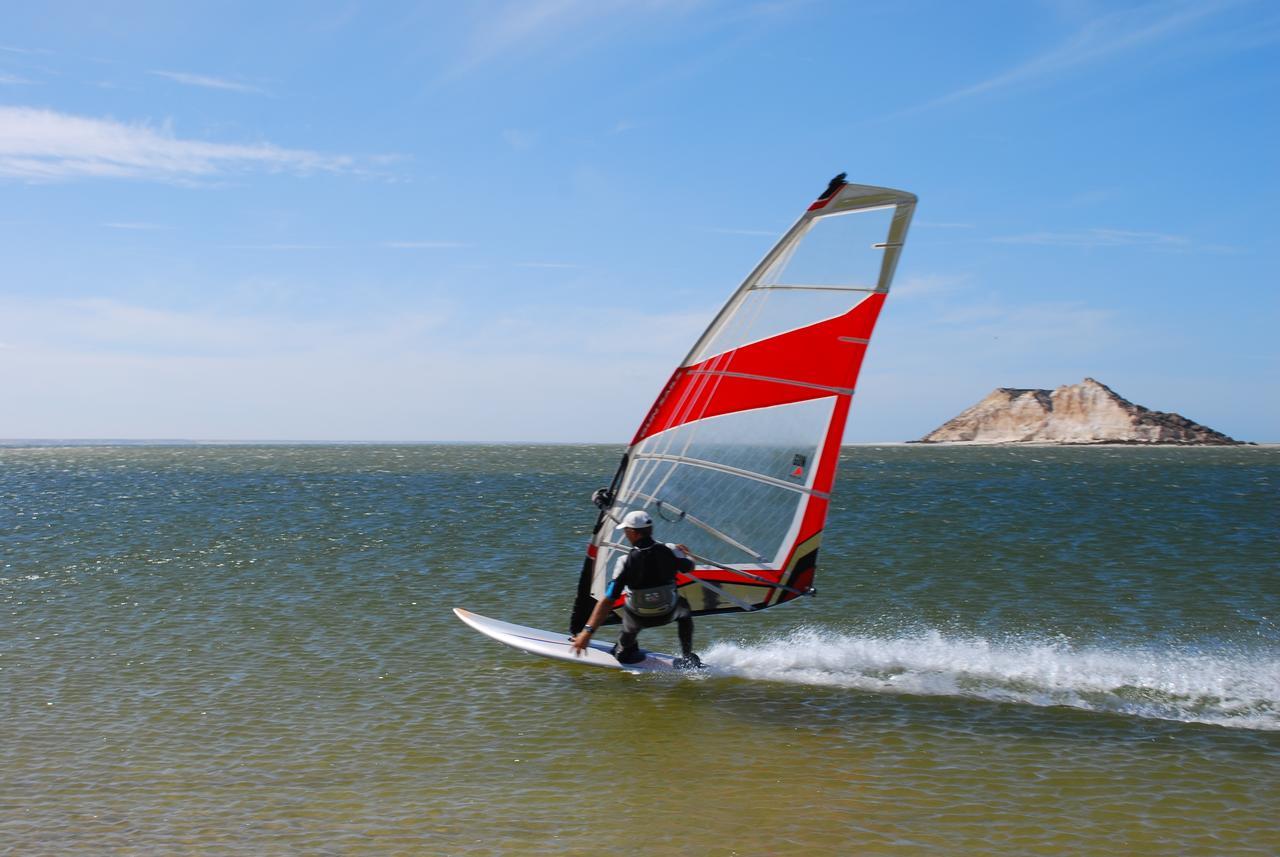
x: 549, y: 644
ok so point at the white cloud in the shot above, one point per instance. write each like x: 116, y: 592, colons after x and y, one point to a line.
x: 529, y: 373
x: 1097, y: 238
x: 935, y: 224
x: 44, y: 145
x: 425, y: 245
x: 13, y: 80
x: 927, y: 285
x: 752, y: 232
x: 140, y: 227
x: 1035, y: 327
x: 521, y: 23
x: 1101, y: 39
x: 391, y: 245
x: 103, y: 325
x: 519, y: 139
x: 281, y: 246
x: 210, y: 82
x: 521, y: 26
x: 123, y: 370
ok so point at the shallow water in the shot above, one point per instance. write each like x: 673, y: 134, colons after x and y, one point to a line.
x: 1013, y: 651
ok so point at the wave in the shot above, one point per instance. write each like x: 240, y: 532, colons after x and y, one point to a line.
x: 1218, y: 685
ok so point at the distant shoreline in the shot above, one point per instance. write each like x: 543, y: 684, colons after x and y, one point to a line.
x: 19, y: 443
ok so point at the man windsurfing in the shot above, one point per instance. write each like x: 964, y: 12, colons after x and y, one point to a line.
x: 647, y: 579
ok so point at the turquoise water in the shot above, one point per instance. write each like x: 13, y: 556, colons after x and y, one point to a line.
x: 250, y: 650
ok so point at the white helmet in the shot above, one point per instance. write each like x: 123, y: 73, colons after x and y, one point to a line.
x: 637, y: 520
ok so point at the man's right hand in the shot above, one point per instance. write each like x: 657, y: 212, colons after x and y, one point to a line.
x: 580, y: 642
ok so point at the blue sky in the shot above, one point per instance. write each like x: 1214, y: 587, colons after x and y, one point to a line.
x: 509, y: 221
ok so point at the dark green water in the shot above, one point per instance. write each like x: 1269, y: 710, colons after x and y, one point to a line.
x: 249, y: 650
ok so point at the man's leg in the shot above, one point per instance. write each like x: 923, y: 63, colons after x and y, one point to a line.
x: 626, y: 650
x: 684, y: 627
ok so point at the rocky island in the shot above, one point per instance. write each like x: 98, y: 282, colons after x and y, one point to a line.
x: 1084, y: 413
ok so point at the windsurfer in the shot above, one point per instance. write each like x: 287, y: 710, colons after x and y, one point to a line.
x: 648, y: 579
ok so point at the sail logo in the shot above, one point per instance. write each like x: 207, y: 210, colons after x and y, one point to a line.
x: 797, y: 466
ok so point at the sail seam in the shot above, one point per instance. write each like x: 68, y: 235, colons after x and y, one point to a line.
x: 843, y: 391
x: 725, y: 468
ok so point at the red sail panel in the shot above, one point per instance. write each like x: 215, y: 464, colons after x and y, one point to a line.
x: 808, y: 363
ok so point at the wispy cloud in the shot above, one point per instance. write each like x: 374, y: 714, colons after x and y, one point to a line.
x: 140, y: 227
x: 14, y: 80
x: 144, y: 371
x: 764, y: 232
x: 1087, y: 198
x: 103, y: 325
x: 936, y: 224
x: 519, y: 26
x: 425, y: 245
x: 929, y: 285
x: 1067, y: 326
x: 1097, y: 238
x: 393, y: 245
x: 1099, y: 40
x: 44, y: 145
x: 519, y: 139
x: 282, y: 246
x: 10, y: 49
x: 548, y: 265
x: 210, y: 82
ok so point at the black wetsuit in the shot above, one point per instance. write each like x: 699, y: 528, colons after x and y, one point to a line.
x: 650, y: 564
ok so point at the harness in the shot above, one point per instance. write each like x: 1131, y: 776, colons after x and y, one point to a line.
x: 652, y: 601
x: 656, y: 567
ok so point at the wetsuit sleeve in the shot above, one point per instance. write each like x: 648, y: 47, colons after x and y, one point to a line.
x: 682, y: 561
x: 615, y: 586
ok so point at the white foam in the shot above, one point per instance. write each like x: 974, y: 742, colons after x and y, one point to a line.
x: 1217, y: 685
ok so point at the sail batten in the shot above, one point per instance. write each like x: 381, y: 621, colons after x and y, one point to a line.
x: 801, y: 288
x: 755, y: 577
x: 737, y: 456
x: 736, y: 471
x: 847, y: 391
x: 698, y: 522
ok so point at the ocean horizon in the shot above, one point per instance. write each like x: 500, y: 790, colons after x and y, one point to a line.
x: 619, y: 443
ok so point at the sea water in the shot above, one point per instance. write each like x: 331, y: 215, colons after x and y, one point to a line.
x: 250, y: 650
